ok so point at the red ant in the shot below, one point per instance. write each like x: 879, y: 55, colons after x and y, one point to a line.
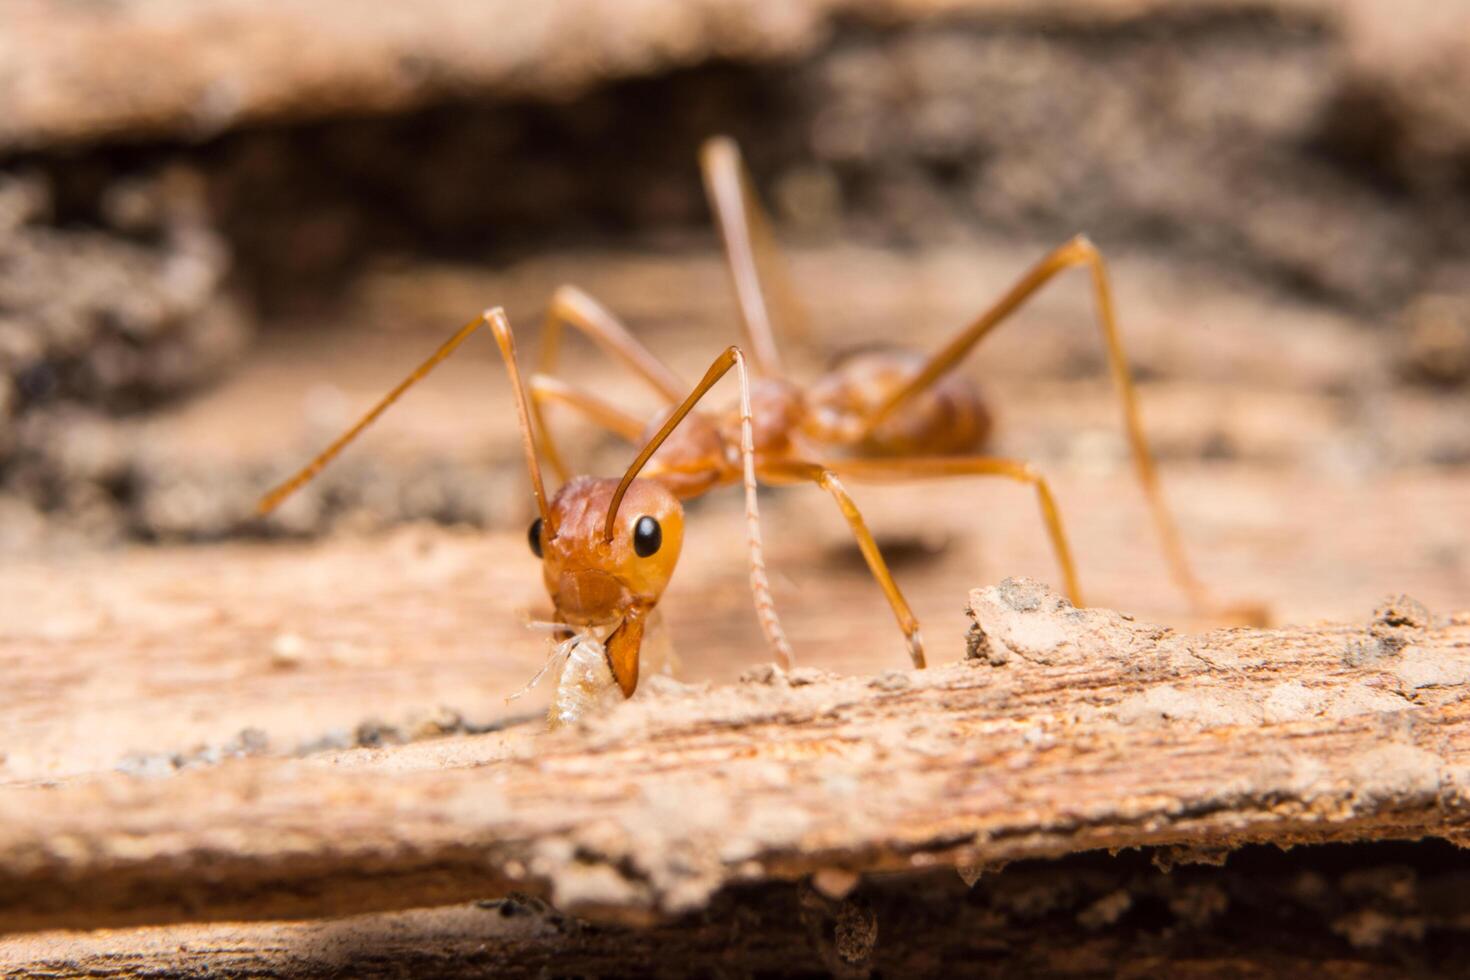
x: 609, y: 547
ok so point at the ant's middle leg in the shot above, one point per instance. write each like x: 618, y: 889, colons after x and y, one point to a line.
x: 546, y: 390
x: 570, y: 306
x: 929, y: 467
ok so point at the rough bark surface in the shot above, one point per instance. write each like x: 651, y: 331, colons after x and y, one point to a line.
x: 1354, y: 911
x: 171, y: 68
x: 1069, y: 730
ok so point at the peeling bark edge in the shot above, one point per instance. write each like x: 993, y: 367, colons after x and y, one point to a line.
x: 1074, y: 730
x: 165, y: 69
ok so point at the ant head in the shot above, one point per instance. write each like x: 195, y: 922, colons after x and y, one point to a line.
x: 594, y: 581
x: 600, y: 581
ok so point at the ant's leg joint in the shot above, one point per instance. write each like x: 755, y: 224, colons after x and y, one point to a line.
x: 1030, y: 474
x: 1079, y: 250
x: 916, y: 648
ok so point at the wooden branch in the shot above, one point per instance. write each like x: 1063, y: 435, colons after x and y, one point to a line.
x: 1068, y: 730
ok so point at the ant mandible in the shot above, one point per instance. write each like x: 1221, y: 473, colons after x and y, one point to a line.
x: 608, y: 547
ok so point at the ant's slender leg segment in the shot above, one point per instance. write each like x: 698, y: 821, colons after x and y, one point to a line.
x: 785, y: 471
x: 570, y: 306
x: 760, y: 584
x: 306, y: 474
x: 750, y: 246
x: 496, y: 320
x: 1077, y: 252
x: 892, y: 470
x: 546, y: 390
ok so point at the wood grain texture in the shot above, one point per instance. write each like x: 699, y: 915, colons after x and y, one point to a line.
x: 1069, y: 731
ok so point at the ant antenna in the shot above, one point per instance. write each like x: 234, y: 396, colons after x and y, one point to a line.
x: 731, y: 357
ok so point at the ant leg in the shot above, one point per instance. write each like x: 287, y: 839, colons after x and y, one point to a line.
x: 546, y: 390
x: 928, y: 467
x: 749, y: 246
x: 1077, y: 252
x: 571, y: 306
x: 499, y: 325
x: 791, y: 471
x: 760, y: 584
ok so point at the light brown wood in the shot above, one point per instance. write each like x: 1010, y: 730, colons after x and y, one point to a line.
x: 171, y: 68
x: 1070, y: 730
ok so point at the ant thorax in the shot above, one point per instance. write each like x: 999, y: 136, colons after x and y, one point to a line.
x: 694, y: 458
x: 946, y: 418
x: 777, y: 410
x: 704, y: 452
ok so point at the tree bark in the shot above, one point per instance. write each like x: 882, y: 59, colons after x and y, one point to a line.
x: 1068, y: 730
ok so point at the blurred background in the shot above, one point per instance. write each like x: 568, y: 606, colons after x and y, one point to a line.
x: 227, y: 228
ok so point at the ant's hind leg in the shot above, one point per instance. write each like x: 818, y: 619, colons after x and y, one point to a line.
x: 750, y: 249
x: 1077, y: 252
x: 793, y: 472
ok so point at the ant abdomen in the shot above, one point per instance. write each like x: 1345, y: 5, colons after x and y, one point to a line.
x: 946, y: 418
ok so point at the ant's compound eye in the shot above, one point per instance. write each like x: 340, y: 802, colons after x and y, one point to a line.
x: 535, y: 536
x: 648, y: 537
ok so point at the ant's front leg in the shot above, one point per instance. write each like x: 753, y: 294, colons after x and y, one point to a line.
x: 826, y: 476
x: 792, y: 471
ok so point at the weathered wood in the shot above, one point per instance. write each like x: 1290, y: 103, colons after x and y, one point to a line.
x: 159, y: 67
x: 168, y: 68
x: 1366, y: 910
x: 1070, y: 731
x: 150, y: 659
